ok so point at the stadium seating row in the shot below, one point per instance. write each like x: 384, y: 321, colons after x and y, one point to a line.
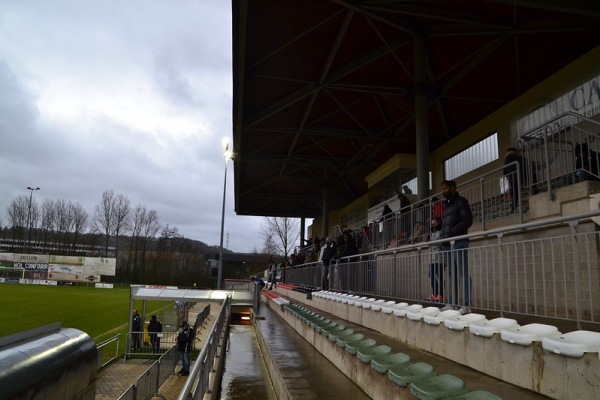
x: 420, y: 377
x: 572, y: 344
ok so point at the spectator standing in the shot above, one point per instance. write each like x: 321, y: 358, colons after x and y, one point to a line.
x: 136, y: 331
x: 185, y: 339
x: 154, y: 329
x: 456, y: 221
x: 259, y: 282
x: 436, y: 261
x: 272, y: 275
x: 329, y: 252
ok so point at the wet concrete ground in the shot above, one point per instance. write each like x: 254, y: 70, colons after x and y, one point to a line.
x: 304, y: 371
x: 245, y: 376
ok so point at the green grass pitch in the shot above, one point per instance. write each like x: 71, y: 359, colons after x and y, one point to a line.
x: 101, y: 313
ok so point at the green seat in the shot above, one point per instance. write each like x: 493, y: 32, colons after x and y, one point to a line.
x: 475, y: 395
x: 332, y: 329
x: 333, y: 336
x: 384, y: 362
x: 366, y: 354
x: 344, y: 340
x: 353, y: 347
x: 318, y: 322
x: 438, y: 387
x: 330, y: 324
x: 402, y: 375
x: 309, y: 320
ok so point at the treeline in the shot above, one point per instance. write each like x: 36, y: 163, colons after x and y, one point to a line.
x: 146, y: 251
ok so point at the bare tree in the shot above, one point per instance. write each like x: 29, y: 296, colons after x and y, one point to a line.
x: 112, y: 217
x: 79, y: 223
x: 47, y: 223
x: 121, y: 218
x: 144, y: 226
x: 280, y: 235
x: 103, y: 217
x: 18, y: 215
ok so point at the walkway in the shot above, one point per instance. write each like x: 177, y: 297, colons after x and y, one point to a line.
x: 296, y: 367
x: 116, y: 378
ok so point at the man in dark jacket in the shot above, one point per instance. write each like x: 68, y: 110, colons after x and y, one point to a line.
x: 154, y: 328
x: 328, y: 252
x: 456, y: 221
x: 185, y: 339
x: 136, y: 331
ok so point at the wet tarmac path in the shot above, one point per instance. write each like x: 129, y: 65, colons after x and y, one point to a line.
x: 245, y: 376
x: 307, y: 374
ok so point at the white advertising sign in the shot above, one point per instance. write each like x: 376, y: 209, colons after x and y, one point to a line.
x: 69, y: 260
x: 583, y: 100
x: 6, y: 257
x: 32, y: 258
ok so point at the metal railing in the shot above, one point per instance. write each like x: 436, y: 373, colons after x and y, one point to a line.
x: 148, y: 384
x: 166, y: 339
x: 550, y: 151
x: 197, y: 384
x: 487, y: 194
x: 519, y: 269
x: 106, y: 353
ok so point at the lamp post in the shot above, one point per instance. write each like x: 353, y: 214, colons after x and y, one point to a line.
x: 227, y: 155
x: 31, y: 189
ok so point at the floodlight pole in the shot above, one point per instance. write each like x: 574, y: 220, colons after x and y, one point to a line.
x: 31, y: 189
x: 227, y: 155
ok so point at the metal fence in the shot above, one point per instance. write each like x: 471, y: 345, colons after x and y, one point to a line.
x: 108, y: 350
x: 147, y: 385
x: 488, y: 196
x: 197, y: 384
x: 545, y: 268
x: 550, y: 152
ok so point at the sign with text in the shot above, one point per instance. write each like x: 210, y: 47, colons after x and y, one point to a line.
x: 583, y: 100
x: 31, y: 258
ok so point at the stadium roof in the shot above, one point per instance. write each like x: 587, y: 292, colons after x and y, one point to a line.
x: 324, y: 90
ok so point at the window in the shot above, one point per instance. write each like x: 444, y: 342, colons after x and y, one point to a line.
x: 412, y: 184
x: 474, y: 157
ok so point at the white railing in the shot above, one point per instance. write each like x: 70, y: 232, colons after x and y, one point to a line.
x: 542, y: 269
x: 551, y: 151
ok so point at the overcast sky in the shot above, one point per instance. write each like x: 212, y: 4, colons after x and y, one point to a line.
x: 133, y: 96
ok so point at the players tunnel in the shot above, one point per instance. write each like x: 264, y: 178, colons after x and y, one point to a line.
x: 48, y: 363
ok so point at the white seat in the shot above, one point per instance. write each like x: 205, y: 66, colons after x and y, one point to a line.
x: 329, y: 295
x: 401, y: 312
x: 343, y: 298
x: 388, y: 307
x: 377, y: 304
x: 460, y: 322
x: 527, y: 334
x: 418, y: 315
x: 573, y: 344
x: 399, y: 306
x: 488, y: 328
x: 368, y: 302
x: 358, y: 302
x: 437, y: 319
x: 352, y: 299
